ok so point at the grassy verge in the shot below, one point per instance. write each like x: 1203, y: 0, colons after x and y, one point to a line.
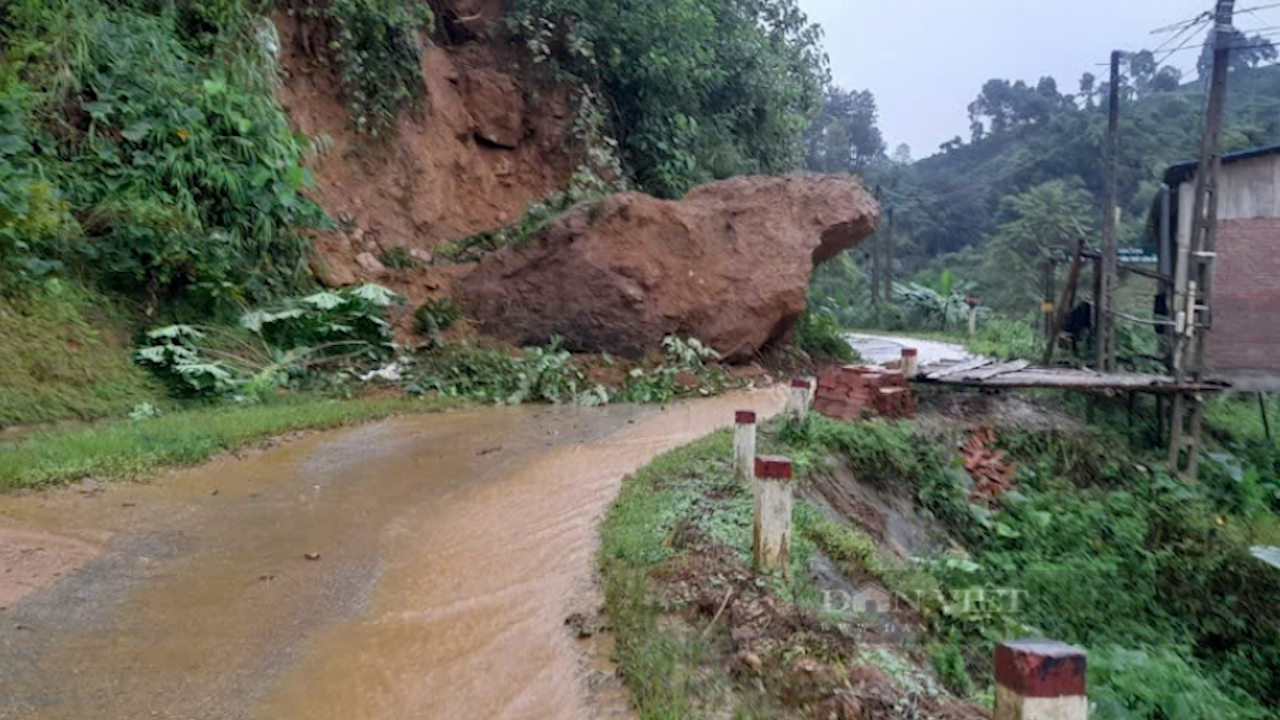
x: 66, y: 355
x: 676, y: 565
x: 1105, y: 550
x: 128, y: 448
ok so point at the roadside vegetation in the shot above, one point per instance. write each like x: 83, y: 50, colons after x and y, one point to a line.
x: 1156, y: 577
x: 65, y: 355
x: 152, y: 440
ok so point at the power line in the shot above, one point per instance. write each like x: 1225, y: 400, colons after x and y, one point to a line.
x: 1180, y: 48
x: 1198, y: 19
x: 1259, y: 7
x: 1173, y: 39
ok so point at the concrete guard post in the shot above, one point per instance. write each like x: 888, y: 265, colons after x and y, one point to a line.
x: 798, y: 402
x: 911, y: 363
x: 744, y: 446
x: 773, y: 515
x: 1040, y: 680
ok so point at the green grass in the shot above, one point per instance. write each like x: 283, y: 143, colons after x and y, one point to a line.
x: 127, y: 449
x: 1239, y: 418
x: 66, y: 355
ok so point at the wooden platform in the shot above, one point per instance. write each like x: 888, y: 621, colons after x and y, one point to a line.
x: 984, y: 372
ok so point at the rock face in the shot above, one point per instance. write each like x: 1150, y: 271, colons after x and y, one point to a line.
x: 495, y: 102
x: 729, y: 264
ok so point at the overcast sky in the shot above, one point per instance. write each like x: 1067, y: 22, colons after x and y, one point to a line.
x: 926, y: 60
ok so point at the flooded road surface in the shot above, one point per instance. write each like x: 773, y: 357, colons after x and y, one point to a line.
x: 418, y: 568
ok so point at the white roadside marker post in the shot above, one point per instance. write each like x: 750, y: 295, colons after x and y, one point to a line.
x: 773, y: 515
x: 798, y: 402
x: 911, y: 363
x: 1040, y: 680
x: 744, y: 446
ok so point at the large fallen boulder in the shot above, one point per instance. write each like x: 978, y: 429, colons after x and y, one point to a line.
x: 729, y: 264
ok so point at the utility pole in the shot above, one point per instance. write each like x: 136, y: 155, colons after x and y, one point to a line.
x: 1193, y: 283
x: 874, y: 250
x: 888, y: 258
x: 1110, y: 255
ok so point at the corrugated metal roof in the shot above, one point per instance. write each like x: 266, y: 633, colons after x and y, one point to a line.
x: 1182, y: 172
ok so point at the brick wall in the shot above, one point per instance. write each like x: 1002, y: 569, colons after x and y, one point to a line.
x: 1246, y: 296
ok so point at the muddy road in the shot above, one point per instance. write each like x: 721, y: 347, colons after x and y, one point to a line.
x: 417, y: 568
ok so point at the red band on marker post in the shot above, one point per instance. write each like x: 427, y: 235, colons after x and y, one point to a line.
x: 910, y: 352
x: 1039, y: 668
x: 744, y: 417
x: 773, y: 468
x: 800, y: 383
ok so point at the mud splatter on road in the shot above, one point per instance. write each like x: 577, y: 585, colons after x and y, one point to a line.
x: 450, y: 550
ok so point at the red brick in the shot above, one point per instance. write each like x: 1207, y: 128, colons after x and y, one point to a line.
x: 1246, y: 335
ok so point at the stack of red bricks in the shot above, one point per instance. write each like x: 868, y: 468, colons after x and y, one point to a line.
x: 855, y: 391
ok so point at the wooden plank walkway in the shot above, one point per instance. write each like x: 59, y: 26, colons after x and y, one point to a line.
x: 984, y: 372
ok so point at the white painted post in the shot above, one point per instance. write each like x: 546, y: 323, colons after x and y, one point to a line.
x: 798, y: 402
x: 1040, y: 680
x: 773, y: 515
x: 911, y: 363
x: 744, y: 446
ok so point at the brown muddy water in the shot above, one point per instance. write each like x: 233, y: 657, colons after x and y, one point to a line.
x: 417, y: 568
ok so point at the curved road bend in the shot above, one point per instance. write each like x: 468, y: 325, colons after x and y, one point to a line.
x: 450, y: 549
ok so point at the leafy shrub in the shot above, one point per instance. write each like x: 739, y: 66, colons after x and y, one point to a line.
x: 696, y: 89
x: 164, y: 138
x: 376, y: 48
x: 1157, y: 682
x: 536, y: 375
x: 274, y: 344
x: 684, y: 371
x: 949, y: 664
x: 819, y: 334
x: 32, y: 212
x: 1007, y: 339
x: 1111, y: 552
x: 398, y: 258
x: 436, y: 315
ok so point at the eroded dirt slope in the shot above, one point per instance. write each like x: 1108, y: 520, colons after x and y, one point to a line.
x: 492, y: 135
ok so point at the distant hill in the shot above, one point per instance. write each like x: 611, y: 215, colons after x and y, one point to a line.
x: 1029, y: 136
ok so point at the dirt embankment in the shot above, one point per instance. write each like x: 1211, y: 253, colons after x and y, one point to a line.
x: 493, y: 133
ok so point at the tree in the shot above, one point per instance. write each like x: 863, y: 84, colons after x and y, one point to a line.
x: 693, y: 90
x: 1168, y: 79
x: 845, y: 136
x: 1088, y: 89
x: 1246, y: 52
x: 1142, y: 70
x: 1003, y: 106
x: 1042, y: 220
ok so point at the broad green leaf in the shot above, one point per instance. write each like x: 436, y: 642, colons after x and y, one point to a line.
x: 12, y: 145
x: 1267, y: 554
x: 376, y: 294
x: 254, y: 320
x: 174, y: 332
x: 136, y: 131
x: 325, y: 300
